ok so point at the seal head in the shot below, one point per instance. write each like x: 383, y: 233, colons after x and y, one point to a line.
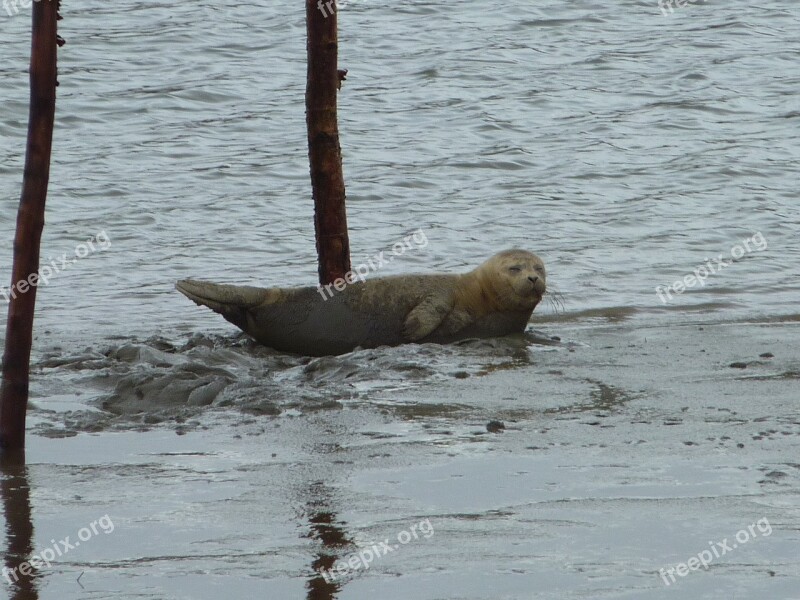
x: 512, y: 280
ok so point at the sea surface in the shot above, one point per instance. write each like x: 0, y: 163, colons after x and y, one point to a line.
x: 629, y: 148
x: 624, y: 146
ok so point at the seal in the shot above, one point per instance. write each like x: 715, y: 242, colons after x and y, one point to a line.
x: 495, y: 299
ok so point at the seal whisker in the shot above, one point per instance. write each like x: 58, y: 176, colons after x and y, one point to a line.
x: 555, y: 300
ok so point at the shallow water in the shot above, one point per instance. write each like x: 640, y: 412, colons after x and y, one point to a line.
x: 625, y: 147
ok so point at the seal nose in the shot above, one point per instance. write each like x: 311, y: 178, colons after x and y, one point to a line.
x: 533, y: 279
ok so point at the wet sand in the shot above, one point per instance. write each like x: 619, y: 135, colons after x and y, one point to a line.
x: 625, y: 450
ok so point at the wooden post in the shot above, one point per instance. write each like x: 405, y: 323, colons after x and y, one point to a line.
x: 30, y: 222
x: 324, y: 152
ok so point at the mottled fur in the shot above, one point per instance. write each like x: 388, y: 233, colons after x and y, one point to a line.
x: 497, y: 298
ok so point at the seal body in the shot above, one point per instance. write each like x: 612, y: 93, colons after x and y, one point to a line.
x: 493, y: 300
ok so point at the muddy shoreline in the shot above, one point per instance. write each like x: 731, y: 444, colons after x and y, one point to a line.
x: 625, y: 450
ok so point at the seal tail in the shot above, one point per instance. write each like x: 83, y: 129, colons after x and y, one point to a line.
x: 231, y: 301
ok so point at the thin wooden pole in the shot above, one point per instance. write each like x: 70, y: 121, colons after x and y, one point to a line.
x: 324, y: 152
x: 30, y: 222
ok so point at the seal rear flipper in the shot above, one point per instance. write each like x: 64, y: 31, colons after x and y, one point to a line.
x: 231, y: 301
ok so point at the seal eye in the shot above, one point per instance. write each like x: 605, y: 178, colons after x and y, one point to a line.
x: 515, y: 269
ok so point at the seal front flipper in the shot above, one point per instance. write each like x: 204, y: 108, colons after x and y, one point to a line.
x: 231, y: 301
x: 425, y: 317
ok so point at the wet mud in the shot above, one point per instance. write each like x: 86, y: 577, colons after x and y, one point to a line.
x: 577, y: 467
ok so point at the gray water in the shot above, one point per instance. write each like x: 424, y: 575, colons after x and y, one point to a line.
x: 625, y: 147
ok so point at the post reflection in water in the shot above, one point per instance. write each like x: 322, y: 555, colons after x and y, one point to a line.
x: 15, y: 490
x: 329, y: 531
